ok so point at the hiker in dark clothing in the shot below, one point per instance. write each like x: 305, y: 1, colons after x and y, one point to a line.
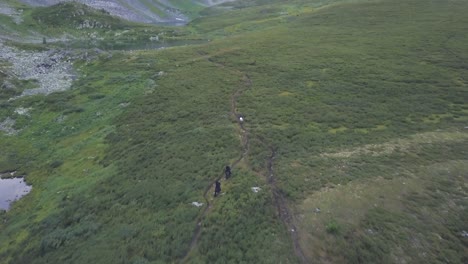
x: 217, y: 188
x: 227, y: 172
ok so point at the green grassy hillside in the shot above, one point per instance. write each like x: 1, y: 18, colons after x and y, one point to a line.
x: 355, y: 116
x: 74, y: 15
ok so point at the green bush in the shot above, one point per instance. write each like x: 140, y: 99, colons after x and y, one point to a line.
x: 333, y: 227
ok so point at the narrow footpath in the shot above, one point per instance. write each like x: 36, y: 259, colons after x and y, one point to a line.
x: 283, y: 210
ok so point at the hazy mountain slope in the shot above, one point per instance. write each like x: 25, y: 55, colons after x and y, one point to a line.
x: 74, y: 16
x: 148, y: 11
x: 71, y: 20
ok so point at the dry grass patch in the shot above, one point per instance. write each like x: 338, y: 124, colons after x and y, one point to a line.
x: 408, y: 215
x: 400, y: 144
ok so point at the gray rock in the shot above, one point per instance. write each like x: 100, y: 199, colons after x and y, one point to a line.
x: 22, y: 111
x: 7, y: 126
x: 15, y: 14
x: 197, y: 204
x: 51, y: 69
x: 8, y: 85
x: 256, y: 189
x: 464, y: 233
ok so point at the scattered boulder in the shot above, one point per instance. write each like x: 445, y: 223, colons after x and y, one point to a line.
x: 123, y: 105
x: 256, y: 189
x: 52, y: 69
x: 22, y: 111
x: 15, y: 14
x: 60, y: 119
x: 7, y: 126
x: 464, y: 233
x: 8, y: 85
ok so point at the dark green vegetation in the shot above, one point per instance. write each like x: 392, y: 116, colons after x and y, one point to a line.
x: 364, y: 102
x: 77, y: 15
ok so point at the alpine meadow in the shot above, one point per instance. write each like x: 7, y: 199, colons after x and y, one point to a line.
x: 344, y: 123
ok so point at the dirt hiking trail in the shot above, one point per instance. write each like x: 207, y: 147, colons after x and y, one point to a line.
x: 281, y: 205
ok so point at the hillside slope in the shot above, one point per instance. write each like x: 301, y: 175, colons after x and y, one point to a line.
x: 352, y: 146
x: 147, y: 11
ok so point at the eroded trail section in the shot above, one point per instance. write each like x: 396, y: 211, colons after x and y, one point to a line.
x: 284, y: 213
x: 283, y: 210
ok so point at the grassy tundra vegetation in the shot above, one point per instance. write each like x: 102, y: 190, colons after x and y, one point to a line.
x: 364, y: 102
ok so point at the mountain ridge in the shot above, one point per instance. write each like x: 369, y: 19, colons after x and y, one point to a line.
x: 146, y: 11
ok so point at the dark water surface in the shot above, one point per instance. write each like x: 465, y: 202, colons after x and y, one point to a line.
x: 12, y: 190
x: 130, y: 45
